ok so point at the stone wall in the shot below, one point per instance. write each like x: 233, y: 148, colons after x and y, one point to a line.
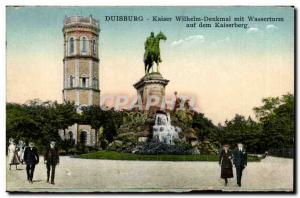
x: 76, y: 130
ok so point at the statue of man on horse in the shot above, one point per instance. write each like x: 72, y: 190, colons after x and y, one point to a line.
x: 152, y: 51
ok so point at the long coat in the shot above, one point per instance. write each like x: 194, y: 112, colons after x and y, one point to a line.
x: 31, y: 156
x: 51, y: 156
x: 12, y: 155
x: 240, y: 158
x: 226, y: 164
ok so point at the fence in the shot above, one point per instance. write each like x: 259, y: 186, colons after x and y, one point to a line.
x: 282, y: 152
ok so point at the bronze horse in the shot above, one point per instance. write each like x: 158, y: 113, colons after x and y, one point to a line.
x: 152, y: 51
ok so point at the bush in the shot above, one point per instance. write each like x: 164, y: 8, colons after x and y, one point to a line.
x: 112, y: 155
x: 151, y: 148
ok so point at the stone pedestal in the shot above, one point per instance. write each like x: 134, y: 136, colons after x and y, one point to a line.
x: 151, y: 84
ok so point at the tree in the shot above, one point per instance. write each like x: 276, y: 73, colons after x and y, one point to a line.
x: 39, y: 121
x: 110, y: 120
x: 277, y: 117
x: 243, y: 130
x: 204, y: 127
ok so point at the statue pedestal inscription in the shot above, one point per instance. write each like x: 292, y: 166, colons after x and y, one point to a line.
x: 152, y: 84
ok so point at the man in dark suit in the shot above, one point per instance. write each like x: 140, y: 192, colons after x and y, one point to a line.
x: 51, y: 159
x: 240, y: 162
x: 31, y: 158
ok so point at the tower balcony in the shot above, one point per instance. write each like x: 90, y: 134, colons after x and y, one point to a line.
x: 73, y: 21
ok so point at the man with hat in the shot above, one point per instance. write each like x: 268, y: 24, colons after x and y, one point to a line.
x: 240, y: 162
x: 31, y: 158
x: 51, y: 159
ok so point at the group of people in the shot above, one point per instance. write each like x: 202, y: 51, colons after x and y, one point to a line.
x: 15, y: 153
x: 20, y: 154
x: 228, y: 159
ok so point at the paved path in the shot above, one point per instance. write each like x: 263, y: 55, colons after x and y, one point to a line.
x: 87, y: 175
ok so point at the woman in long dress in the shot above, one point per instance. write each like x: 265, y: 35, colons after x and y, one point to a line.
x: 12, y: 154
x: 21, y: 148
x: 225, y: 161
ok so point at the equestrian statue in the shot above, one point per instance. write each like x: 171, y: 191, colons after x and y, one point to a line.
x: 152, y: 51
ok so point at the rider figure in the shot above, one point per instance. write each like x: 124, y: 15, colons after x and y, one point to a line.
x: 152, y: 52
x: 149, y: 44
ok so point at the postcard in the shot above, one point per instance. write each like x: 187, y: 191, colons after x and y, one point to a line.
x: 150, y: 99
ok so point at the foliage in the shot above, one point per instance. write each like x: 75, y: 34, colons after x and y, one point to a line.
x: 67, y: 144
x: 39, y: 122
x: 110, y: 120
x: 242, y: 130
x: 277, y: 119
x: 274, y: 128
x: 103, y: 142
x: 161, y: 148
x: 204, y: 128
x: 185, y: 118
x: 130, y: 156
x: 131, y: 118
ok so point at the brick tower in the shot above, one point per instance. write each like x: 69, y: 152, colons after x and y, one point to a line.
x: 81, y: 62
x: 81, y: 73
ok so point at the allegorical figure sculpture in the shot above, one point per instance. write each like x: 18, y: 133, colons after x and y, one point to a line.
x: 152, y: 51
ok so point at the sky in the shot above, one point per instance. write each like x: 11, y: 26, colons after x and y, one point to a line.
x: 228, y: 71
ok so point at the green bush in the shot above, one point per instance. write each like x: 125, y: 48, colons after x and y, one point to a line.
x: 112, y: 155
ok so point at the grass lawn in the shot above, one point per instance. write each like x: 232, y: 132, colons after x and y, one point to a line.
x: 112, y: 155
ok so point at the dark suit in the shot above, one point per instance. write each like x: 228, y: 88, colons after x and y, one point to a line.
x: 52, y: 159
x: 240, y: 162
x: 31, y: 158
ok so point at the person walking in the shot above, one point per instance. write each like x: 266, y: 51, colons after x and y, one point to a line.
x: 51, y: 159
x: 12, y: 154
x: 31, y: 158
x: 225, y: 162
x: 21, y: 148
x: 240, y: 162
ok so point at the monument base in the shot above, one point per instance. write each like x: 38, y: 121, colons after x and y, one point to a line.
x: 152, y: 84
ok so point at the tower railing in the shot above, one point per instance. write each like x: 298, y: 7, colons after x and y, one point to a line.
x: 81, y: 19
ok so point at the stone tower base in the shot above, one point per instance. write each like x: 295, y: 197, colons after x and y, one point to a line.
x: 81, y: 134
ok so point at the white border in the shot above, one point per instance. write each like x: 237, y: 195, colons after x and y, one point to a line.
x: 5, y: 3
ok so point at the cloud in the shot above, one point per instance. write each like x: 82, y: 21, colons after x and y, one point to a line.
x: 227, y: 39
x: 177, y: 42
x: 252, y: 30
x: 271, y: 27
x: 217, y: 43
x: 193, y: 38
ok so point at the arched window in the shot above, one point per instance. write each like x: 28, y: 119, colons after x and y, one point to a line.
x: 71, y: 81
x: 83, y: 138
x: 94, y: 44
x: 71, y: 46
x: 84, y: 81
x: 70, y: 134
x: 83, y: 45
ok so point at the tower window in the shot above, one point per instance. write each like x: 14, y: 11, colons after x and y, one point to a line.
x: 71, y: 46
x: 71, y: 81
x: 84, y: 81
x: 94, y: 47
x: 84, y: 45
x: 95, y: 83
